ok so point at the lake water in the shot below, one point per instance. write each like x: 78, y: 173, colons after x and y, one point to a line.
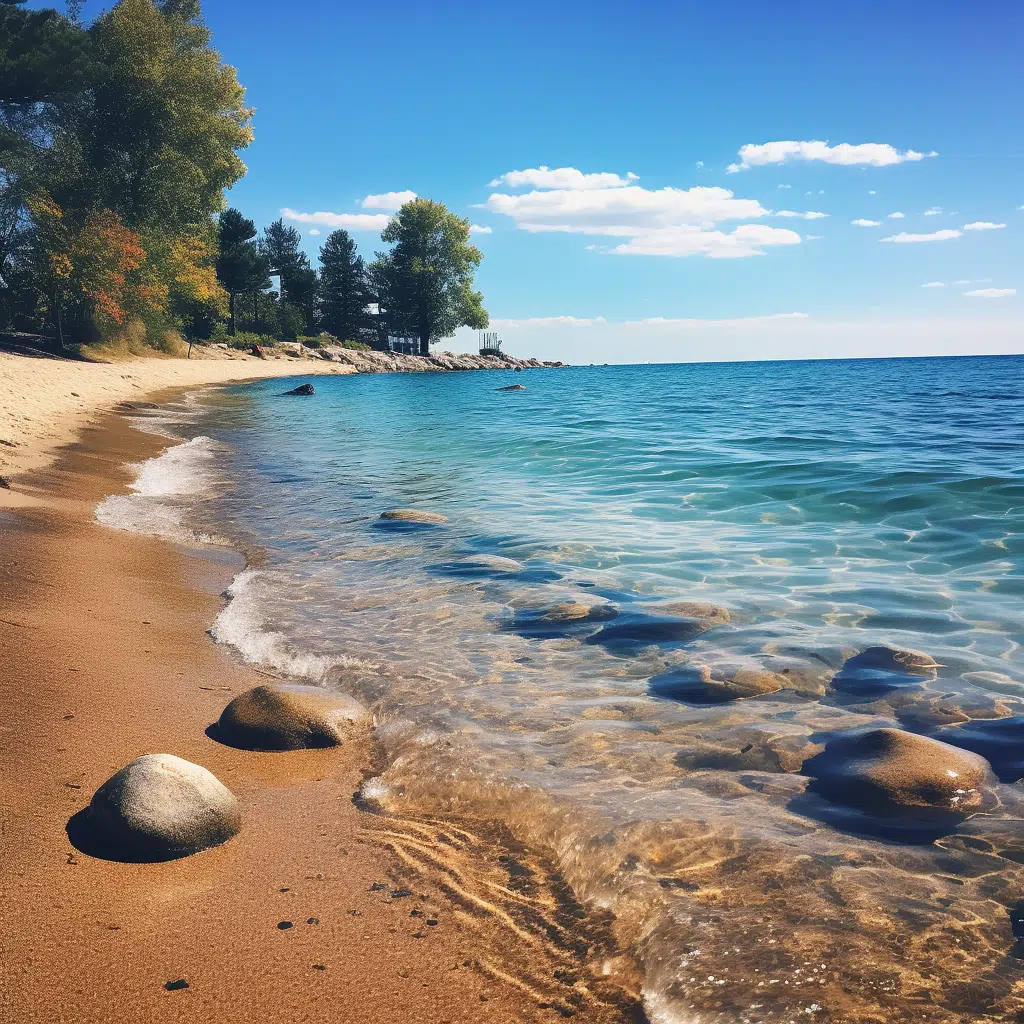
x: 802, y: 511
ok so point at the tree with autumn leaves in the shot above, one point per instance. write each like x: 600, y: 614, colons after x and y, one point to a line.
x: 110, y: 176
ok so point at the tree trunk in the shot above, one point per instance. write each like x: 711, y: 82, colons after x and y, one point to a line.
x: 424, y: 342
x: 231, y: 313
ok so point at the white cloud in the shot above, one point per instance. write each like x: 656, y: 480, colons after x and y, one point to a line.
x: 813, y: 238
x: 548, y: 321
x: 742, y: 321
x: 810, y: 215
x: 622, y: 211
x: 314, y: 231
x: 935, y: 236
x: 933, y: 211
x: 699, y: 164
x: 479, y: 229
x: 862, y: 222
x: 387, y: 200
x: 350, y: 221
x: 790, y: 186
x: 983, y: 225
x: 897, y: 216
x: 690, y: 240
x: 975, y: 280
x: 562, y: 178
x: 871, y: 154
x: 934, y: 284
x: 872, y: 192
x: 991, y: 293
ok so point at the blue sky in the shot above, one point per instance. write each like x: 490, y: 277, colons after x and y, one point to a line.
x: 441, y: 99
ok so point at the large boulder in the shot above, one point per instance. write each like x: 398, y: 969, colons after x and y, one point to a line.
x: 160, y: 807
x: 414, y: 515
x: 288, y: 717
x: 891, y: 773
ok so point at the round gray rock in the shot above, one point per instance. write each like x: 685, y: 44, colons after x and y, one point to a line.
x: 288, y: 717
x: 161, y: 806
x: 414, y: 515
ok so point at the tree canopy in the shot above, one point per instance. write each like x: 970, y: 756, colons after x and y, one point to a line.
x: 425, y: 282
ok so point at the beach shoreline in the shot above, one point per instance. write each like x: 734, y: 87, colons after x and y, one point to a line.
x: 102, y: 666
x: 44, y: 402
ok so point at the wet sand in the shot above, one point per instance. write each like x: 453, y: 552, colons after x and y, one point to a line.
x: 104, y: 657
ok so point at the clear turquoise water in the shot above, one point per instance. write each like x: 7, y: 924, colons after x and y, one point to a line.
x: 828, y: 506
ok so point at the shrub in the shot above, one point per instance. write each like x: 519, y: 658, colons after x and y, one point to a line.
x: 358, y: 345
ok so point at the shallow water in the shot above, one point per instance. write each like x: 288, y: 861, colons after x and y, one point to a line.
x: 827, y: 506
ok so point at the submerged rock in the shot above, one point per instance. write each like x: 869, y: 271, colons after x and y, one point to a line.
x: 714, y: 613
x: 579, y: 611
x: 704, y: 684
x: 482, y: 565
x: 160, y: 807
x: 637, y: 630
x: 889, y: 772
x: 302, y: 389
x: 288, y: 717
x: 878, y: 671
x: 513, y: 387
x: 413, y: 515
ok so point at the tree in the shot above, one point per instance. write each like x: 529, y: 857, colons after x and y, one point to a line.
x: 242, y: 266
x: 281, y: 245
x: 154, y: 138
x: 425, y: 282
x: 344, y: 288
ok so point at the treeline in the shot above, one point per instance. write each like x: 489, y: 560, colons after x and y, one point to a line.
x: 117, y: 142
x: 422, y: 288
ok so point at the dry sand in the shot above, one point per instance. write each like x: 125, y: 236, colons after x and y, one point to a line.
x: 103, y: 656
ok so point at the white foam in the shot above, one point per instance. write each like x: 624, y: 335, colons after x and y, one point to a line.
x: 242, y: 625
x: 155, y: 507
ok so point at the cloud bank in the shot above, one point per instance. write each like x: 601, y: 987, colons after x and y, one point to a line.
x: 867, y: 154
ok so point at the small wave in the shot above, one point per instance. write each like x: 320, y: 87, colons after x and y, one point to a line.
x: 155, y: 506
x: 242, y: 625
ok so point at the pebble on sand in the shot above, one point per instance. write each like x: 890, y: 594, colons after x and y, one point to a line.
x: 161, y: 806
x: 414, y: 515
x: 282, y: 716
x: 890, y: 772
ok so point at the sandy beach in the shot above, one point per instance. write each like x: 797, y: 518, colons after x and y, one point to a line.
x: 317, y: 910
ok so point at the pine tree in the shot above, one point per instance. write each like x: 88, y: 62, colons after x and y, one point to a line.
x: 241, y: 265
x: 344, y: 288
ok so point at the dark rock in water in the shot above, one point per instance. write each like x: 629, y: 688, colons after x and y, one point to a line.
x: 891, y: 773
x: 160, y: 807
x: 414, y: 515
x: 637, y: 630
x: 288, y: 717
x: 700, y: 684
x: 565, y: 619
x: 480, y: 565
x: 1000, y: 742
x: 878, y: 671
x: 513, y: 387
x: 302, y: 389
x: 714, y: 613
x: 176, y: 986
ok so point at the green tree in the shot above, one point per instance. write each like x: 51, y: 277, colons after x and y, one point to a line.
x: 242, y: 266
x: 154, y: 138
x: 281, y: 245
x: 344, y: 288
x: 425, y: 282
